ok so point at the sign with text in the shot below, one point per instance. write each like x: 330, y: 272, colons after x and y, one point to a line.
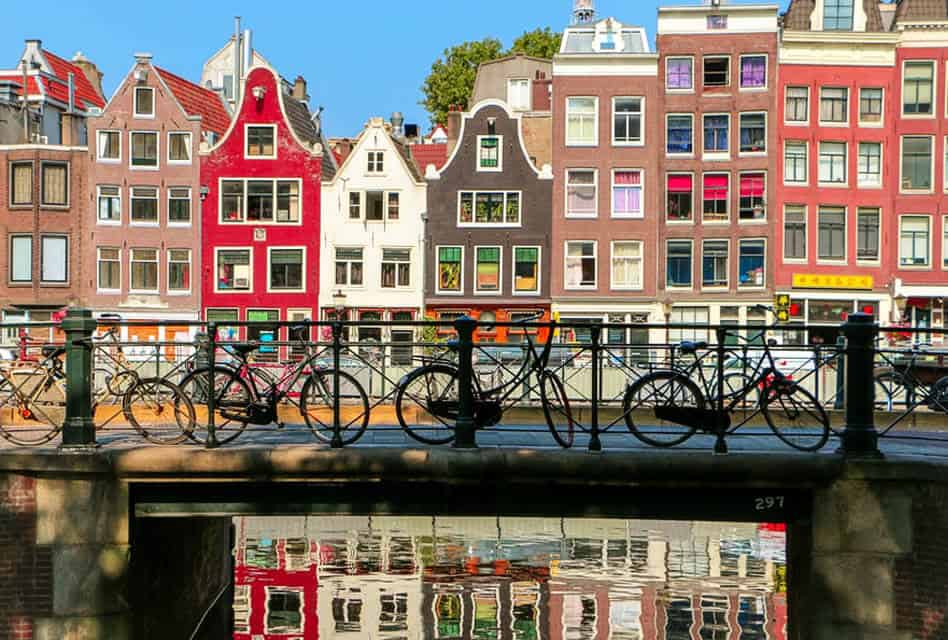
x: 822, y: 281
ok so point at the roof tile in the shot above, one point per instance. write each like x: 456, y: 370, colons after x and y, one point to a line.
x: 198, y: 101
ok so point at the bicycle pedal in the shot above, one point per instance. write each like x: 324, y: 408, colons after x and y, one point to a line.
x: 280, y: 425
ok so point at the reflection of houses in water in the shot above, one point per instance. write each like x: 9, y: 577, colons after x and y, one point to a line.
x: 513, y: 578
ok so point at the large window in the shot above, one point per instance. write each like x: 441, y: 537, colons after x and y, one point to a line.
x: 109, y: 204
x: 870, y: 164
x: 679, y: 263
x: 179, y: 147
x: 526, y: 270
x: 716, y: 128
x: 286, y: 269
x: 21, y: 183
x: 261, y: 141
x: 109, y: 269
x: 679, y: 74
x: 753, y: 72
x: 918, y: 87
x: 581, y: 121
x: 488, y: 208
x: 179, y: 270
x: 916, y: 163
x: 580, y: 193
x: 751, y: 262
x: 715, y: 200
x: 234, y: 272
x: 489, y: 153
x: 717, y: 71
x: 834, y: 105
x: 914, y: 241
x: 680, y: 190
x: 144, y: 149
x: 144, y: 102
x: 833, y: 162
x: 580, y: 265
x: 487, y: 269
x: 627, y: 265
x: 55, y: 184
x: 627, y: 120
x: 144, y: 271
x: 179, y: 205
x: 260, y: 201
x: 794, y: 233
x: 714, y: 259
x: 284, y: 610
x: 797, y: 107
x: 396, y: 268
x: 753, y: 202
x: 795, y: 162
x: 449, y: 269
x: 21, y: 258
x: 867, y: 234
x: 349, y: 266
x: 838, y: 15
x: 832, y: 233
x: 870, y: 105
x: 753, y: 132
x: 518, y: 94
x: 108, y: 146
x: 680, y: 134
x: 144, y: 205
x: 627, y: 194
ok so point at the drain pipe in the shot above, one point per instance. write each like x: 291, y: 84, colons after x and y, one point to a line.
x: 237, y: 66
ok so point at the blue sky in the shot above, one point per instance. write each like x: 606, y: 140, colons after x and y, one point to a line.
x: 360, y: 57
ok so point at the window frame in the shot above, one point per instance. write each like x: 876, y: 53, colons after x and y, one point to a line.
x: 349, y: 262
x: 131, y: 205
x: 131, y: 271
x: 496, y: 225
x: 763, y: 280
x: 98, y: 274
x: 796, y: 123
x: 727, y: 265
x: 375, y: 162
x: 500, y: 155
x: 437, y: 275
x: 806, y: 163
x: 613, y: 286
x: 529, y: 93
x: 844, y: 259
x: 135, y: 111
x: 595, y: 257
x: 642, y: 121
x: 715, y: 154
x: 691, y: 248
x: 691, y: 88
x: 693, y: 215
x: 42, y: 186
x: 595, y: 123
x: 190, y: 200
x: 11, y: 171
x: 188, y: 146
x: 846, y: 108
x: 806, y: 239
x: 705, y: 87
x: 216, y: 273
x: 740, y: 81
x: 383, y: 262
x: 98, y: 205
x: 131, y: 151
x: 860, y: 211
x: 852, y: 18
x: 740, y: 176
x: 844, y: 183
x: 740, y: 129
x: 867, y: 185
x: 98, y: 147
x: 179, y: 292
x: 870, y: 123
x: 245, y: 202
x: 916, y: 267
x: 10, y: 238
x: 727, y: 200
x: 513, y: 270
x: 612, y: 196
x: 931, y: 174
x: 944, y: 242
x: 262, y: 125
x: 302, y: 287
x: 679, y: 154
x: 934, y: 88
x: 500, y: 270
x: 595, y: 186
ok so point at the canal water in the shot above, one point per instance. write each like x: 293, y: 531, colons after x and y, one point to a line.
x: 388, y: 577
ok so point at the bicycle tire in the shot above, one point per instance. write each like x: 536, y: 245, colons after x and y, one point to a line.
x: 194, y: 389
x: 122, y: 382
x: 892, y: 389
x: 552, y: 391
x: 805, y: 403
x: 670, y: 380
x: 12, y: 420
x: 402, y: 412
x: 152, y: 393
x: 350, y: 431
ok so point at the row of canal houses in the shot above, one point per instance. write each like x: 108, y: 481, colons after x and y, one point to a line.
x: 750, y: 154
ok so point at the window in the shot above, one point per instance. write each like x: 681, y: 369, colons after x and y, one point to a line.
x: 680, y: 197
x: 918, y: 87
x: 265, y: 201
x: 487, y: 269
x: 680, y: 134
x: 838, y: 15
x: 108, y: 145
x: 627, y: 194
x: 179, y: 147
x: 916, y: 163
x: 797, y: 107
x: 867, y: 234
x: 716, y: 22
x: 21, y: 259
x: 179, y: 205
x: 679, y: 74
x: 21, y: 183
x: 232, y: 201
x: 944, y: 241
x: 144, y: 102
x: 518, y: 94
x: 714, y: 258
x: 144, y: 205
x: 144, y: 149
x: 679, y: 263
x: 716, y: 133
x: 753, y: 133
x: 261, y: 141
x: 109, y: 269
x: 753, y: 72
x: 751, y: 261
x: 55, y: 187
x: 396, y: 268
x: 449, y: 269
x: 526, y: 270
x: 489, y: 208
x: 716, y: 186
x: 870, y: 164
x: 581, y: 121
x: 375, y: 162
x: 489, y: 151
x: 914, y: 241
x: 752, y: 205
x: 581, y: 265
x: 717, y: 71
x: 288, y: 201
x: 627, y: 115
x: 284, y: 611
x: 374, y: 205
x: 794, y: 233
x: 834, y: 105
x: 581, y: 193
x: 144, y: 272
x: 286, y: 269
x: 349, y: 267
x: 870, y: 106
x: 832, y: 238
x: 795, y: 162
x: 233, y: 270
x: 110, y: 204
x: 833, y: 162
x: 355, y: 205
x: 221, y: 316
x: 627, y: 265
x: 393, y: 205
x: 179, y: 270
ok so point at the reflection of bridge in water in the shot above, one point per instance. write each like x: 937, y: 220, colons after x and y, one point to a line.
x: 508, y: 578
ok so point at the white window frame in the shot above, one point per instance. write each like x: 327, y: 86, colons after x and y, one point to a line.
x: 580, y: 287
x: 150, y: 292
x: 642, y: 123
x: 737, y: 262
x: 595, y: 140
x: 410, y: 263
x: 500, y: 155
x: 595, y: 185
x: 98, y: 147
x: 849, y: 106
x: 740, y: 66
x: 921, y: 267
x: 919, y: 116
x: 819, y: 179
x: 437, y: 274
x: 98, y: 283
x: 520, y: 81
x: 216, y: 266
x: 809, y: 106
x: 692, y: 89
x: 669, y: 285
x: 727, y: 200
x: 10, y: 279
x: 251, y: 125
x: 245, y: 202
x: 190, y: 199
x: 189, y: 147
x: 369, y: 155
x: 806, y: 235
x: 302, y: 289
x: 902, y: 158
x: 131, y: 147
x: 500, y: 275
x: 487, y: 225
x: 67, y: 257
x: 626, y: 216
x: 694, y: 204
x: 348, y: 285
x: 712, y: 156
x: 846, y: 229
x: 694, y: 138
x: 98, y: 197
x: 727, y: 265
x: 179, y: 292
x: 868, y: 124
x: 135, y: 113
x: 806, y: 164
x: 740, y: 175
x: 876, y: 185
x: 513, y: 270
x: 297, y: 590
x: 131, y: 203
x: 753, y: 154
x: 730, y: 72
x: 613, y: 286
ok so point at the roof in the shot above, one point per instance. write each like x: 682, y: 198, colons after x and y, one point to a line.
x: 305, y: 129
x: 31, y: 81
x: 404, y: 150
x: 921, y: 10
x: 425, y: 154
x: 60, y: 90
x: 582, y: 39
x: 797, y: 17
x: 198, y: 101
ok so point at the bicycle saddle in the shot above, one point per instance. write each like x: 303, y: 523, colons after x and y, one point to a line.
x: 51, y: 351
x: 689, y: 347
x: 244, y: 348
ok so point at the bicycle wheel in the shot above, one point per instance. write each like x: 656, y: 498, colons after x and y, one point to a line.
x: 427, y: 404
x: 648, y: 396
x: 892, y: 392
x: 232, y: 397
x: 794, y: 415
x: 29, y: 420
x: 159, y: 411
x: 121, y: 383
x: 556, y: 409
x: 316, y: 405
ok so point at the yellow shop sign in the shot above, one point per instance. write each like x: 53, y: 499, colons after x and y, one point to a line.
x: 819, y: 281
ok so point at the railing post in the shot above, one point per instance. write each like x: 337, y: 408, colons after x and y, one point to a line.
x: 212, y: 382
x: 595, y: 444
x: 840, y: 403
x: 720, y: 415
x: 860, y: 437
x: 79, y: 426
x: 336, y: 442
x: 465, y: 427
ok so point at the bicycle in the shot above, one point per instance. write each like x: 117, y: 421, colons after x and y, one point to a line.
x: 912, y: 383
x: 682, y: 408
x: 244, y: 394
x: 427, y: 401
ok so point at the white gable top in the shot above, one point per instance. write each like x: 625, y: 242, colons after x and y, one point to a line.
x: 721, y: 19
x: 608, y: 36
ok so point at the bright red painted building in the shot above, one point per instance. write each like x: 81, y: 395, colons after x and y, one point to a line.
x: 261, y: 210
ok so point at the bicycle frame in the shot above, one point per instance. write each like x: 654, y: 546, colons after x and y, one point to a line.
x: 536, y: 362
x: 278, y: 389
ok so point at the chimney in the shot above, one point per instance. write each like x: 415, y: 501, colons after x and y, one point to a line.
x: 33, y: 49
x: 299, y: 89
x: 90, y: 71
x: 454, y: 127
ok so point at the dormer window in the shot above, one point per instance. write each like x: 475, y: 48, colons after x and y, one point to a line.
x: 838, y: 15
x: 518, y: 94
x: 489, y: 153
x: 376, y: 162
x: 144, y: 102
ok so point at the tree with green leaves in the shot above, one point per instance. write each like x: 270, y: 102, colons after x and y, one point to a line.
x: 539, y: 43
